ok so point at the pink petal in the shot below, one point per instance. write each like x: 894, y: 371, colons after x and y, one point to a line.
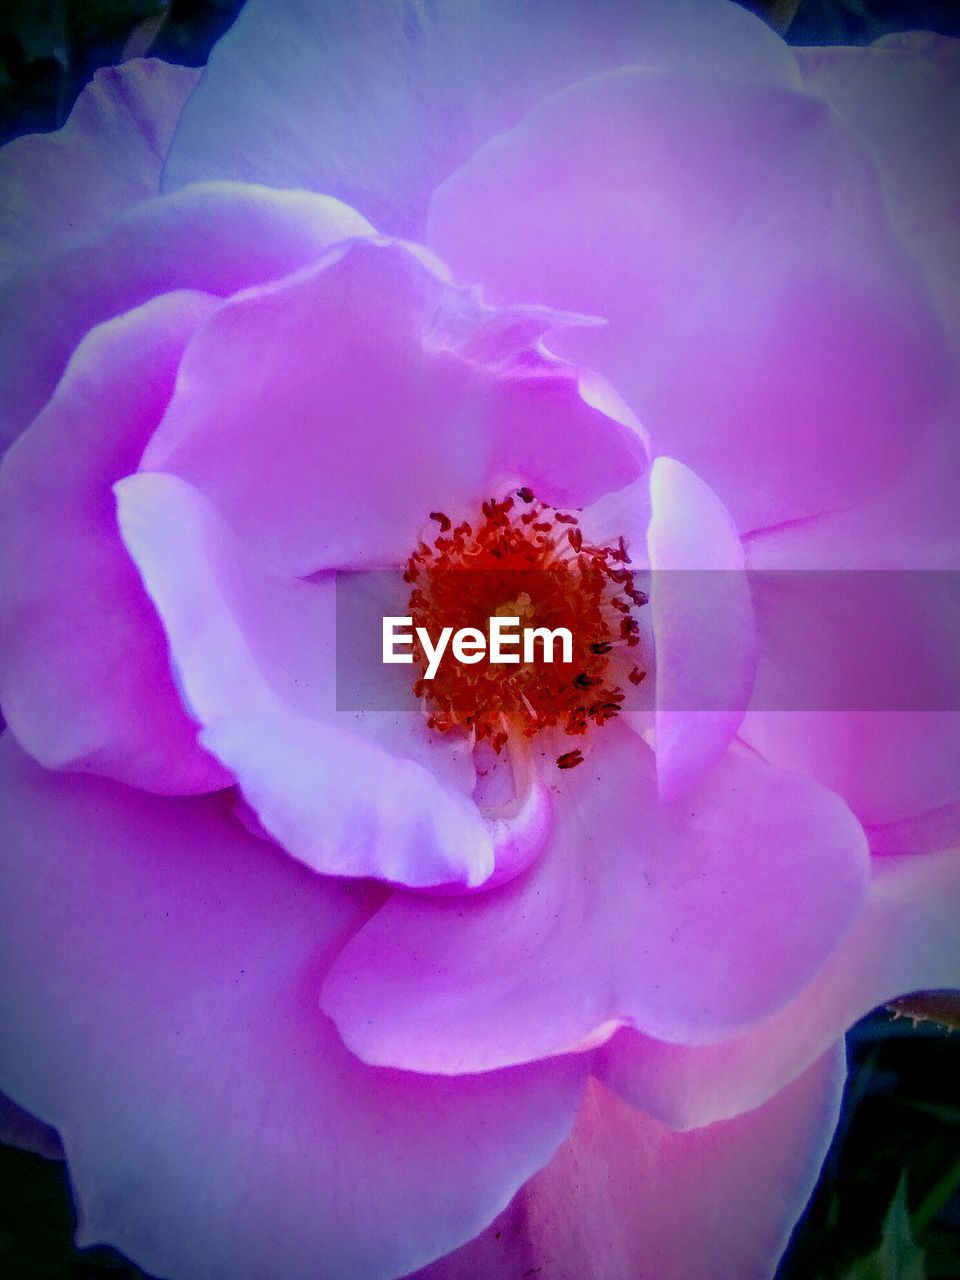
x: 84, y: 671
x: 626, y: 1197
x: 626, y: 514
x: 906, y: 939
x: 64, y: 186
x: 901, y: 95
x: 255, y: 653
x: 737, y: 241
x: 687, y: 920
x: 704, y: 629
x: 18, y: 1128
x: 370, y: 433
x: 377, y: 104
x: 928, y: 832
x: 160, y: 970
x: 216, y: 238
x: 858, y: 683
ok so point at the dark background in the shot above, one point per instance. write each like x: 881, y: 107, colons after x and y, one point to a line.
x: 901, y: 1121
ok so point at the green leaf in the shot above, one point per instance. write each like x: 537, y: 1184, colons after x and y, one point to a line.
x: 940, y: 1194
x: 943, y: 1112
x: 899, y: 1256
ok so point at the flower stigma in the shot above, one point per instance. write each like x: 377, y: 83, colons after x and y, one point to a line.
x: 528, y: 561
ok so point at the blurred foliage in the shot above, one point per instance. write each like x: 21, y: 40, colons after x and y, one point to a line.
x: 49, y: 49
x: 898, y: 1257
x: 887, y: 1204
x: 860, y: 21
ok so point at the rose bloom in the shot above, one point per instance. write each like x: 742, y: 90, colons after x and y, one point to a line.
x: 636, y: 297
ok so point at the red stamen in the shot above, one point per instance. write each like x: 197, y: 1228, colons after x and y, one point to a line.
x: 536, y: 566
x: 570, y: 759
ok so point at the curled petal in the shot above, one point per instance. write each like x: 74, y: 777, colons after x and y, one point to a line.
x: 159, y: 976
x: 214, y: 237
x: 688, y: 920
x: 703, y: 624
x: 254, y: 654
x: 85, y: 678
x: 626, y: 1197
x: 353, y: 445
x: 906, y: 939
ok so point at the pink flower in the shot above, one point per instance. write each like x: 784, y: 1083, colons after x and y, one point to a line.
x: 305, y: 991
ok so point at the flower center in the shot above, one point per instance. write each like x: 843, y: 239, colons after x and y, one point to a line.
x: 531, y: 562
